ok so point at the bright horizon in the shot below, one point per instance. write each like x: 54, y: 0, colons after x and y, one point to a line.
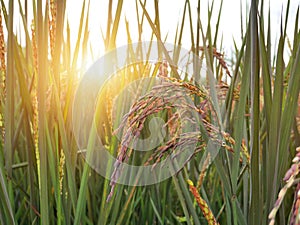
x: 170, y: 17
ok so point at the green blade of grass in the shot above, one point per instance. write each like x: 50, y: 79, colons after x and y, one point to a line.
x: 77, y: 46
x: 113, y: 34
x: 218, y: 24
x: 42, y: 43
x: 7, y: 214
x: 156, y: 212
x: 289, y: 111
x: 255, y: 204
x: 239, y: 118
x: 274, y: 132
x: 84, y: 179
x: 9, y: 102
x: 266, y: 74
x: 155, y: 31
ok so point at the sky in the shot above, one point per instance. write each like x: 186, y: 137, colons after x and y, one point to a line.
x: 171, y: 12
x: 170, y: 15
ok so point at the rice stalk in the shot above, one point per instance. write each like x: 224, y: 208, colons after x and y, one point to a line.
x: 160, y: 98
x: 35, y: 127
x: 209, y: 216
x: 289, y: 178
x: 34, y: 46
x: 2, y: 47
x: 203, y: 171
x: 220, y: 57
x: 61, y: 171
x: 52, y: 26
x: 2, y: 77
x: 295, y: 212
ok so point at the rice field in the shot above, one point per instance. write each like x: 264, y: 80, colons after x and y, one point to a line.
x: 152, y: 132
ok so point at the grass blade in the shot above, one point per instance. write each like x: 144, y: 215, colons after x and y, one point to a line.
x: 255, y: 206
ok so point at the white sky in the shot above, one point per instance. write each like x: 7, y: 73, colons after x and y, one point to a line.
x: 171, y: 12
x: 170, y: 15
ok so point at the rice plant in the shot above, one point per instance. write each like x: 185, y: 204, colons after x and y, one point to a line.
x: 243, y: 108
